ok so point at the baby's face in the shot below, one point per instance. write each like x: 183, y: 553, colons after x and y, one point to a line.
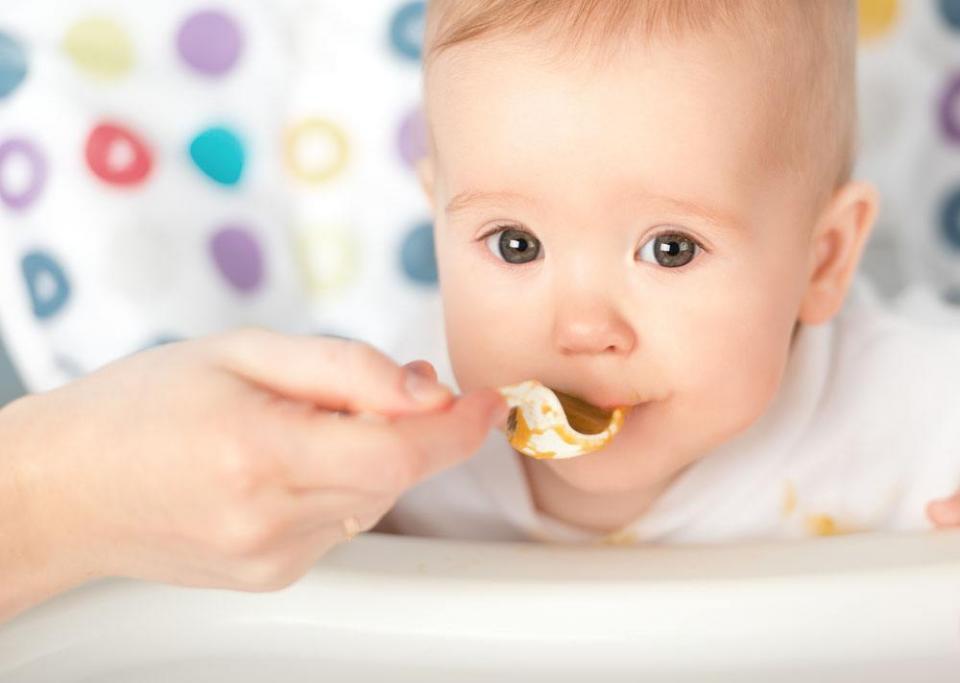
x: 612, y: 232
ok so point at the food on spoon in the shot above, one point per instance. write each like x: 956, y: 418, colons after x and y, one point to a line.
x: 547, y: 424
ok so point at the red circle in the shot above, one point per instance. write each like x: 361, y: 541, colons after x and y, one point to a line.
x: 117, y: 155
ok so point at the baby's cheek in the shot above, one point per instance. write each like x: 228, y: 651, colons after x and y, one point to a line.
x: 493, y: 337
x: 750, y: 395
x: 736, y: 377
x: 481, y: 352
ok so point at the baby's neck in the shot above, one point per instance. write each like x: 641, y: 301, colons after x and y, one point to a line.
x: 603, y: 512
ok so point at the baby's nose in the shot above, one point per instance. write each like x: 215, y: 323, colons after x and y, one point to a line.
x: 585, y: 328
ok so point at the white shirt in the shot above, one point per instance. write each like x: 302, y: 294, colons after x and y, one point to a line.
x: 863, y: 433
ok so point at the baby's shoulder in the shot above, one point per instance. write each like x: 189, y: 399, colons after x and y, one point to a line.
x: 884, y: 438
x: 877, y: 348
x: 891, y: 386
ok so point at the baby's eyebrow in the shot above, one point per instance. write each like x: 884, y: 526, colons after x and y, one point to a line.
x: 716, y: 216
x: 471, y: 198
x: 721, y: 218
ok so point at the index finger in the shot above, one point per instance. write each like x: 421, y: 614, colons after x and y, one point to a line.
x: 379, y: 456
x: 335, y: 374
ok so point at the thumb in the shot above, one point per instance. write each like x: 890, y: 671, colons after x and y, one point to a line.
x: 333, y: 373
x: 945, y: 512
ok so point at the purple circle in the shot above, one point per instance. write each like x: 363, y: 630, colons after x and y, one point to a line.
x: 948, y: 110
x: 412, y: 138
x: 38, y: 173
x: 238, y: 257
x: 210, y: 42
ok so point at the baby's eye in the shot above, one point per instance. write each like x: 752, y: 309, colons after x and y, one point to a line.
x: 670, y: 250
x: 514, y: 246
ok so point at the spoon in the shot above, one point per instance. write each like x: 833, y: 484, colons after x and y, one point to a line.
x: 547, y: 424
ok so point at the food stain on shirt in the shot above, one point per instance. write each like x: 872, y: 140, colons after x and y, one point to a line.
x: 789, y: 499
x: 825, y: 525
x: 816, y: 524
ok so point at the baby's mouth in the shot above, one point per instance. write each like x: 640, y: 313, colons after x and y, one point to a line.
x: 545, y: 423
x: 585, y: 416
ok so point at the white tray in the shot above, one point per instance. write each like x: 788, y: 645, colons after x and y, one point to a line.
x: 878, y: 608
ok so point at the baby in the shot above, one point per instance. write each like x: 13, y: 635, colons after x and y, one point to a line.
x: 649, y: 203
x: 643, y: 203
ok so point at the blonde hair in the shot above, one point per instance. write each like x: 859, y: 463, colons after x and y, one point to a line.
x: 809, y: 47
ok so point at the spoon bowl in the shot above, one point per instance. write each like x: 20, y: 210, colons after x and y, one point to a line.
x: 548, y: 424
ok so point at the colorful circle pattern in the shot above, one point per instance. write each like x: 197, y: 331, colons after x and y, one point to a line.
x: 950, y: 221
x: 117, y: 155
x: 19, y: 151
x: 100, y: 47
x: 412, y: 138
x: 210, y: 42
x: 406, y: 30
x: 329, y: 257
x: 949, y: 110
x: 219, y: 154
x: 238, y: 256
x: 950, y: 12
x: 316, y: 150
x: 418, y: 255
x: 47, y: 283
x: 13, y: 64
x: 877, y: 18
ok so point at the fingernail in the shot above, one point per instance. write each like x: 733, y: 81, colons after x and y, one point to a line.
x: 423, y: 389
x: 418, y: 368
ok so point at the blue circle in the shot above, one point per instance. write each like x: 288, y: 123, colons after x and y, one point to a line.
x: 160, y: 340
x: 406, y: 29
x: 418, y: 255
x: 950, y: 220
x: 950, y: 11
x: 71, y: 368
x: 13, y: 64
x: 36, y: 266
x: 333, y: 335
x: 218, y: 153
x: 163, y: 340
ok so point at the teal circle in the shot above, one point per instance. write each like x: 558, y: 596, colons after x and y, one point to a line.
x: 950, y: 221
x: 950, y: 12
x: 406, y: 29
x: 219, y: 154
x: 164, y: 339
x: 332, y: 335
x: 159, y: 340
x: 13, y: 64
x: 46, y: 302
x: 71, y: 368
x: 418, y: 255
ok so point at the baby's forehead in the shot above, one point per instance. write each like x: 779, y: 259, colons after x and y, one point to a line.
x: 793, y: 66
x: 509, y: 103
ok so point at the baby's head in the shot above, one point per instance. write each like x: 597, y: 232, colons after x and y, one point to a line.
x: 638, y: 201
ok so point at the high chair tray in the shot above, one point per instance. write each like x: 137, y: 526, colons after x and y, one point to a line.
x: 384, y: 608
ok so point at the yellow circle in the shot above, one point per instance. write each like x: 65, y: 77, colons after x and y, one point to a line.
x: 304, y: 138
x: 100, y: 47
x: 877, y: 18
x: 329, y: 256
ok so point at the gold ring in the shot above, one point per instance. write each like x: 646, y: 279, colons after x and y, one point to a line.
x: 351, y: 527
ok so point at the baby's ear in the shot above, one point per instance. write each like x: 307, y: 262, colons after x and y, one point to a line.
x: 837, y: 245
x: 425, y: 171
